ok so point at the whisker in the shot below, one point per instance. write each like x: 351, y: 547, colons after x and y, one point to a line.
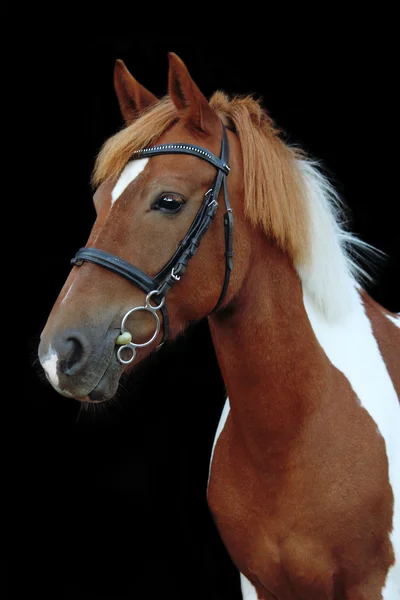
x: 78, y: 416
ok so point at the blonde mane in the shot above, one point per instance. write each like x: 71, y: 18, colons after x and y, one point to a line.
x: 285, y: 194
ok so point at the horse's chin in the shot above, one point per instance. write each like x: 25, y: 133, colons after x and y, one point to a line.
x: 107, y: 387
x: 103, y: 392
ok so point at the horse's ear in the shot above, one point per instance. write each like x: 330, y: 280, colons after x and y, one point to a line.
x: 188, y: 99
x: 132, y: 96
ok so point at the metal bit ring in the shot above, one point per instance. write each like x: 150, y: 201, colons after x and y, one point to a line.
x: 132, y: 345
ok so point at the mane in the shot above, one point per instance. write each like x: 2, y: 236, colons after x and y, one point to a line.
x: 286, y: 195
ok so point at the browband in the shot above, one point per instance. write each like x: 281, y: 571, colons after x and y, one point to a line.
x: 176, y: 266
x: 219, y: 163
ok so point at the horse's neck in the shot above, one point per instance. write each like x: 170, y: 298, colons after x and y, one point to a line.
x: 272, y: 365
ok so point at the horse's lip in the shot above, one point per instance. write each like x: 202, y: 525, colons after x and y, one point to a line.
x: 107, y: 385
x: 84, y: 400
x: 111, y: 366
x: 88, y: 400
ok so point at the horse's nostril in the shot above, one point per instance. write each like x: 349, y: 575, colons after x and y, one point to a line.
x: 73, y: 350
x: 75, y: 355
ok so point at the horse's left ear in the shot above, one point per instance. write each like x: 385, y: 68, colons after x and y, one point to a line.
x: 188, y: 99
x: 132, y: 96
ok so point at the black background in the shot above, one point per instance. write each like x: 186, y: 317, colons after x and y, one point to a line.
x: 111, y: 503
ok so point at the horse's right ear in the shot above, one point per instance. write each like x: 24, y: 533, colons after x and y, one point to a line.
x: 132, y: 96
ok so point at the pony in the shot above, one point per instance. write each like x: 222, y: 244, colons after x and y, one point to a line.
x: 304, y: 479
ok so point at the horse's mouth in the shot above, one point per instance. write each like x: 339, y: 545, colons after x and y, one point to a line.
x: 97, y: 379
x: 93, y: 377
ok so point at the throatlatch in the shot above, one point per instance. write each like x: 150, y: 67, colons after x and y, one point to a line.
x: 158, y: 286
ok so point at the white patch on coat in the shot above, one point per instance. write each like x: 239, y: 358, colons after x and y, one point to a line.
x: 395, y: 319
x: 352, y: 348
x: 221, y: 425
x: 129, y: 174
x: 248, y: 589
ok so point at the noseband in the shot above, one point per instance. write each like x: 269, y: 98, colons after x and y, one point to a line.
x: 157, y: 287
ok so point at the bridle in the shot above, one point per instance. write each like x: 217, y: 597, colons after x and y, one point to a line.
x: 157, y: 287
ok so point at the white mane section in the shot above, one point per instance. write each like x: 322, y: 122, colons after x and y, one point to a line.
x: 330, y: 272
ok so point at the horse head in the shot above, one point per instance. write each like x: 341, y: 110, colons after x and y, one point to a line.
x: 146, y: 205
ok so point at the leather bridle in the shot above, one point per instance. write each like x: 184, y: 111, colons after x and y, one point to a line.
x: 157, y: 287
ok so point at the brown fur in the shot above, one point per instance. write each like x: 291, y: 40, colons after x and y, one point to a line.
x: 299, y: 474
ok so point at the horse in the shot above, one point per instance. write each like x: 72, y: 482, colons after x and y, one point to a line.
x: 304, y: 478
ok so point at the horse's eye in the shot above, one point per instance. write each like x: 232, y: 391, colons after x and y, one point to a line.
x: 169, y: 203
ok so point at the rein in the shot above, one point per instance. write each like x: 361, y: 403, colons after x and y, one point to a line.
x: 157, y: 287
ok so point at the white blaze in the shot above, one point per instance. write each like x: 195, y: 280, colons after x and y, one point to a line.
x: 49, y: 364
x: 67, y: 294
x: 131, y: 171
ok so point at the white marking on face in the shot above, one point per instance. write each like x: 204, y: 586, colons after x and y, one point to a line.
x: 395, y: 319
x: 67, y: 294
x: 129, y: 174
x: 352, y: 348
x: 49, y: 364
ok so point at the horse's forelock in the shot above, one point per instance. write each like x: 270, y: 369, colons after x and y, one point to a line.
x: 144, y: 131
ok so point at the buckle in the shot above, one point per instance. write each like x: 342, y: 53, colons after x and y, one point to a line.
x: 176, y: 277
